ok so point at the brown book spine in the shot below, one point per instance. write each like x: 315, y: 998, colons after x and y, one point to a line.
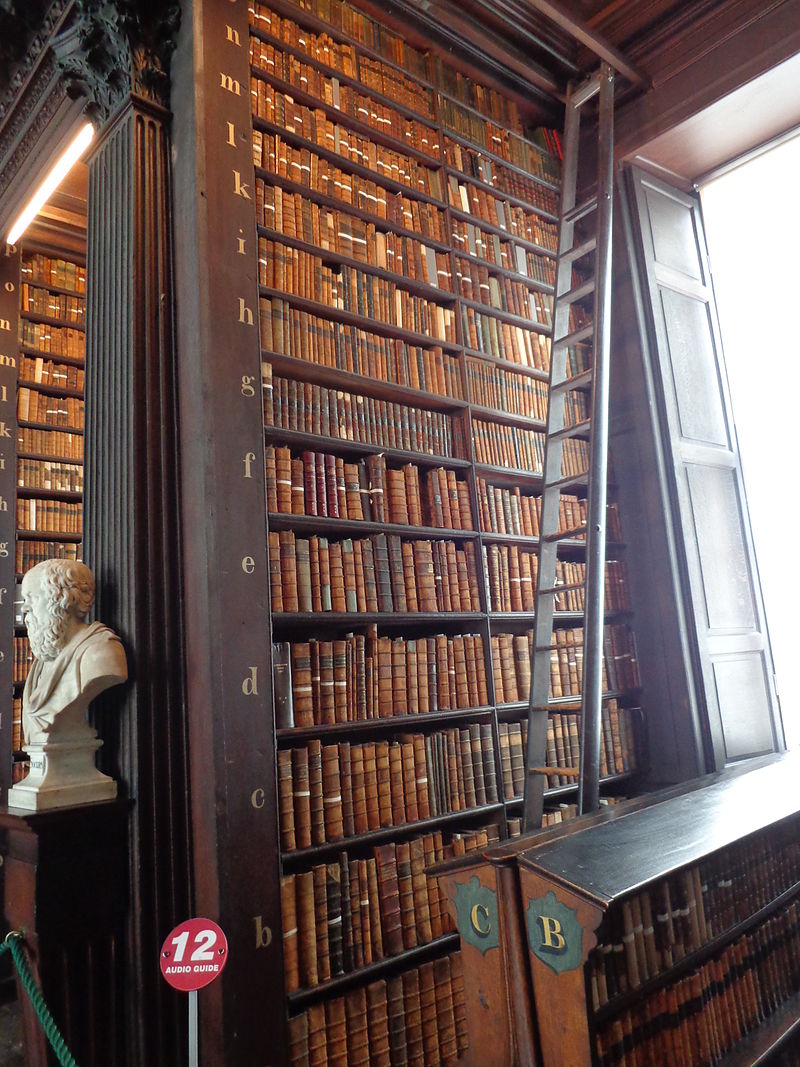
x: 357, y: 1037
x: 306, y: 925
x: 336, y: 1032
x: 422, y: 912
x: 378, y: 1026
x: 395, y: 1010
x: 430, y: 1030
x: 302, y: 797
x: 413, y: 1012
x: 317, y: 806
x: 389, y: 891
x: 291, y: 959
x: 320, y: 876
x: 332, y: 793
x: 286, y: 800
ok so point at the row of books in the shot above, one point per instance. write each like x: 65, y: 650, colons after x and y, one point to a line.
x: 511, y: 659
x: 470, y: 239
x: 33, y: 406
x: 485, y: 333
x: 296, y: 216
x: 317, y: 483
x: 393, y: 83
x: 48, y: 372
x: 510, y: 446
x: 480, y: 97
x: 54, y: 443
x: 371, y: 574
x: 517, y: 394
x: 316, y: 174
x: 37, y: 268
x: 699, y: 1018
x: 474, y: 200
x: 511, y: 576
x: 22, y: 659
x: 51, y: 516
x: 491, y: 172
x: 322, y: 47
x: 314, y: 125
x: 305, y: 275
x: 651, y: 931
x: 494, y: 138
x: 510, y: 511
x: 344, y: 98
x: 29, y: 553
x: 49, y: 474
x: 563, y: 747
x: 71, y: 309
x: 330, y: 792
x: 16, y: 727
x: 501, y: 292
x: 417, y: 1018
x: 341, y: 916
x: 58, y: 340
x: 360, y: 678
x: 299, y: 333
x: 315, y: 409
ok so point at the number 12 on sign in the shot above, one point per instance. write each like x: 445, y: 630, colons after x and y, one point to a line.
x: 192, y: 956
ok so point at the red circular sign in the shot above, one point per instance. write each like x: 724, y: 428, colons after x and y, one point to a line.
x: 193, y: 954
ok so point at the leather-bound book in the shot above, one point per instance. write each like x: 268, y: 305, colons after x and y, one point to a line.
x: 298, y: 1041
x: 357, y: 1038
x: 291, y: 958
x: 430, y: 1030
x: 371, y: 785
x: 349, y: 576
x: 302, y: 797
x: 364, y: 492
x: 360, y: 600
x: 405, y: 887
x: 421, y: 776
x: 282, y: 675
x: 360, y: 821
x: 397, y: 785
x: 454, y: 776
x: 505, y: 759
x: 464, y: 505
x: 459, y: 1003
x: 409, y: 576
x: 336, y: 1027
x: 288, y: 571
x: 377, y: 478
x: 340, y: 680
x: 395, y: 1011
x: 433, y: 853
x: 411, y: 997
x: 298, y: 488
x: 489, y: 768
x: 302, y: 707
x: 315, y: 788
x: 317, y: 1036
x: 459, y: 673
x: 320, y: 873
x: 338, y: 596
x: 327, y: 708
x: 331, y: 487
x: 325, y: 574
x: 369, y: 563
x: 353, y: 492
x: 517, y: 757
x: 303, y: 566
x: 270, y: 476
x: 445, y: 1013
x: 384, y: 783
x: 321, y: 484
x: 396, y: 494
x: 422, y: 912
x: 383, y: 573
x: 389, y: 894
x: 374, y: 904
x: 425, y: 576
x: 332, y: 793
x: 364, y: 909
x: 409, y: 782
x: 286, y: 800
x: 396, y: 573
x: 399, y: 677
x: 275, y: 581
x: 306, y: 927
x: 333, y: 890
x: 412, y: 679
x: 413, y: 498
x: 348, y: 957
x: 477, y: 763
x: 283, y: 480
x: 438, y: 551
x: 378, y: 1025
x: 355, y: 914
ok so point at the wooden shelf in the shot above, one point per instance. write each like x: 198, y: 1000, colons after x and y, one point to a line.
x: 505, y: 272
x: 762, y: 1045
x: 421, y: 289
x: 482, y: 224
x: 51, y: 390
x: 294, y: 735
x: 411, y: 957
x: 50, y: 459
x: 324, y: 200
x: 330, y: 850
x: 519, y: 708
x: 507, y: 316
x: 461, y: 139
x: 508, y: 418
x: 572, y: 788
x: 49, y: 535
x: 342, y: 118
x: 511, y: 476
x: 48, y: 426
x: 59, y: 289
x: 55, y: 357
x: 345, y: 621
x: 500, y: 194
x: 362, y: 322
x: 508, y: 364
x: 692, y: 960
x: 26, y: 492
x: 47, y: 320
x: 344, y: 162
x: 320, y: 443
x: 347, y: 527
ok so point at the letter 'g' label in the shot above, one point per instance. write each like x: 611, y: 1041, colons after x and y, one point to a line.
x: 554, y: 933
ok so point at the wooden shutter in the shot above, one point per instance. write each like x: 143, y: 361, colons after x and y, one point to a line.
x: 709, y: 508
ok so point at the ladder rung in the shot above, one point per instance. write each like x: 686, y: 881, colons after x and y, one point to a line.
x: 569, y: 480
x: 579, y: 251
x: 575, y: 382
x: 577, y: 430
x: 580, y: 210
x: 586, y: 90
x: 554, y: 590
x: 583, y: 334
x: 565, y: 535
x: 578, y: 293
x: 552, y: 772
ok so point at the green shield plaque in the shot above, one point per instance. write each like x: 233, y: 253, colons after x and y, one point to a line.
x: 476, y: 914
x: 554, y: 933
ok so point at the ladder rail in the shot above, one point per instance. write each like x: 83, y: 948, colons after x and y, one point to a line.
x: 563, y: 379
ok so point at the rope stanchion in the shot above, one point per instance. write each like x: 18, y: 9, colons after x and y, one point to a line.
x: 13, y: 943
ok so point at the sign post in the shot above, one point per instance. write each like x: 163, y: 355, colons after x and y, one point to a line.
x: 192, y: 956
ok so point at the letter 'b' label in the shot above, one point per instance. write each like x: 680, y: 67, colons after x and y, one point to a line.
x: 554, y: 933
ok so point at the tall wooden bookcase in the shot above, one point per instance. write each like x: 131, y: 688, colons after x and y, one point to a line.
x: 376, y: 292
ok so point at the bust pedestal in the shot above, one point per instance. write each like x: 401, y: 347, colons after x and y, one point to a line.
x: 62, y: 774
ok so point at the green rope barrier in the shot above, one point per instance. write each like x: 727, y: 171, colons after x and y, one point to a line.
x: 13, y: 944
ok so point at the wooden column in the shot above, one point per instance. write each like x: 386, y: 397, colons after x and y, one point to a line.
x: 131, y: 504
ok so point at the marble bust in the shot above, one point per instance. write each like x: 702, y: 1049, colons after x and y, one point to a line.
x: 74, y: 661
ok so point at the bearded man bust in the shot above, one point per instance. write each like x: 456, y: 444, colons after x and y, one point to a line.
x: 74, y: 661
